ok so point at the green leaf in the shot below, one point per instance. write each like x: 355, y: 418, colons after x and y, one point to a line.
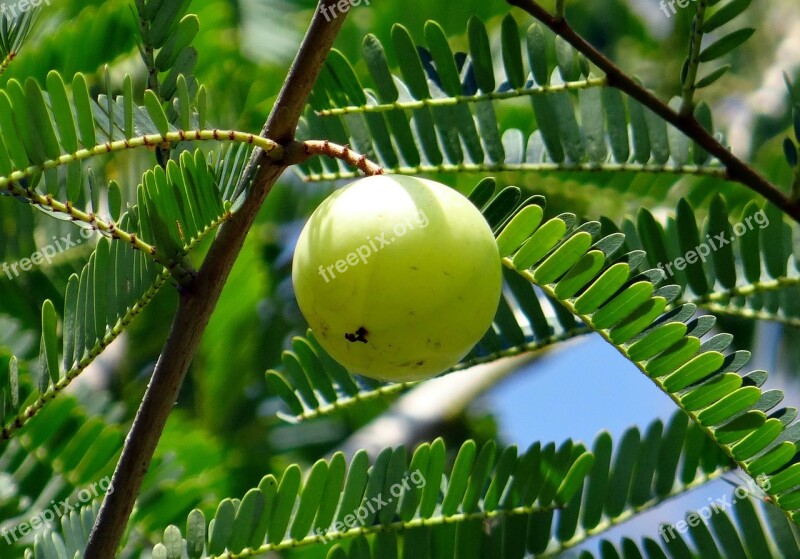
x: 580, y: 274
x: 114, y: 200
x: 50, y: 339
x: 726, y: 44
x: 602, y: 288
x: 459, y: 478
x: 310, y: 500
x: 702, y: 113
x: 522, y: 225
x: 22, y: 117
x: 712, y: 77
x: 410, y: 63
x: 42, y: 124
x: 677, y: 356
x: 623, y: 305
x: 656, y: 340
x: 756, y: 441
x: 785, y: 479
x: 247, y: 514
x: 539, y: 244
x: 83, y: 111
x: 571, y: 134
x: 719, y: 227
x: 16, y: 149
x: 725, y: 14
x: 574, y: 479
x: 729, y: 406
x: 591, y: 105
x: 512, y: 52
x: 375, y: 58
x: 195, y: 534
x: 153, y: 105
x: 567, y: 60
x: 182, y: 37
x: 657, y: 133
x: 689, y: 238
x: 164, y: 21
x: 537, y: 54
x: 284, y: 504
x: 639, y: 130
x: 563, y: 258
x: 773, y: 460
x: 711, y: 391
x: 773, y: 241
x: 481, y: 54
x: 173, y: 543
x: 221, y: 527
x: 790, y: 152
x: 443, y: 56
x: 638, y: 320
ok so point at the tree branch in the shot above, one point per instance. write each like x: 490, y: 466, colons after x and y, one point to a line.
x: 737, y: 170
x: 199, y: 298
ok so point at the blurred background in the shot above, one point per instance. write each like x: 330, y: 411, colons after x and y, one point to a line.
x: 224, y: 435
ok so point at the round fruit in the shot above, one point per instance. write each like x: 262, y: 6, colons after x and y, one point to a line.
x: 398, y: 277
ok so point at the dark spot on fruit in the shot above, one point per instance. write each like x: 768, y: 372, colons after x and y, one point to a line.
x: 359, y: 336
x: 420, y: 363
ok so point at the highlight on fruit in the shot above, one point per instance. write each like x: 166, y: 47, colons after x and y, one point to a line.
x: 398, y: 277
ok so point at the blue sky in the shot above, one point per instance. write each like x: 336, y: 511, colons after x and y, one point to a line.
x: 586, y: 387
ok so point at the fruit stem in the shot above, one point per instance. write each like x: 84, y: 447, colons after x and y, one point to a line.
x: 329, y: 149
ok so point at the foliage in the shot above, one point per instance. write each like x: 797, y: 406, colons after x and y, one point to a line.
x: 593, y: 190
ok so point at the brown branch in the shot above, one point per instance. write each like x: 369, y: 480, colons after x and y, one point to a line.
x: 329, y: 149
x: 737, y: 169
x: 199, y: 298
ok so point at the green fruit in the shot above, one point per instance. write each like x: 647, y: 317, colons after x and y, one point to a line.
x: 398, y: 277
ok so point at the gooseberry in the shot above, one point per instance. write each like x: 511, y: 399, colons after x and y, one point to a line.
x: 398, y: 277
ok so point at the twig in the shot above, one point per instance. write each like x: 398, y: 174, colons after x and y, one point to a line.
x: 199, y: 298
x: 7, y: 62
x: 737, y: 170
x: 560, y: 9
x: 464, y: 99
x: 329, y: 149
x: 693, y: 60
x: 796, y: 184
